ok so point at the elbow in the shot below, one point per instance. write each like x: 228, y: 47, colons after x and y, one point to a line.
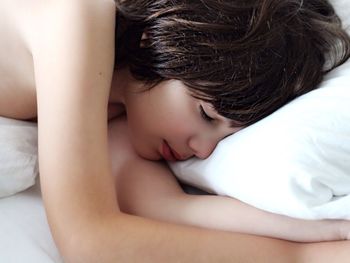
x: 89, y: 244
x: 82, y: 249
x: 78, y: 249
x: 99, y: 240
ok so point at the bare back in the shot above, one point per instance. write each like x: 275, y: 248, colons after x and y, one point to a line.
x: 17, y: 84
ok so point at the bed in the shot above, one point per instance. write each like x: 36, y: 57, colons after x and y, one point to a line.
x: 24, y: 231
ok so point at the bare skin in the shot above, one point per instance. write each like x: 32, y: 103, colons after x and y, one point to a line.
x: 53, y: 80
x: 148, y: 189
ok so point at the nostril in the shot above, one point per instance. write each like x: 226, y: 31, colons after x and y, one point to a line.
x: 197, y: 154
x: 206, y: 152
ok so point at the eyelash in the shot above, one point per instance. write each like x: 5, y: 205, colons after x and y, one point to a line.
x: 204, y: 115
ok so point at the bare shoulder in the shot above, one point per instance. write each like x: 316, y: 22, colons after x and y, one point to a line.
x: 40, y: 37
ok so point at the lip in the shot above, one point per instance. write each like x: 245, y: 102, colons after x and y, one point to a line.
x: 169, y: 154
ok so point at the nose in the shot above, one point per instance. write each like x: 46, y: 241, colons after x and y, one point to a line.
x: 202, y: 147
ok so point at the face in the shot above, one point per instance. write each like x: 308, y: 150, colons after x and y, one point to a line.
x: 166, y: 122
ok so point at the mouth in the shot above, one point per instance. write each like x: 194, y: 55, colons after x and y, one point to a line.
x: 169, y: 154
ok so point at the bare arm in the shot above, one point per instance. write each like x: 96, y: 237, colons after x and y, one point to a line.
x: 72, y: 47
x: 149, y: 189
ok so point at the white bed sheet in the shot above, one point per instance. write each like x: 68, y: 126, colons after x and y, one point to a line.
x: 24, y: 231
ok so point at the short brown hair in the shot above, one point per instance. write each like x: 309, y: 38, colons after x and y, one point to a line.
x: 247, y: 58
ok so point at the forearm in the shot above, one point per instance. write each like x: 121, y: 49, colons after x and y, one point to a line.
x: 149, y: 189
x: 124, y: 238
x: 229, y: 214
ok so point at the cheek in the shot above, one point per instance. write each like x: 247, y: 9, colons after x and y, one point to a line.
x: 140, y: 125
x: 142, y: 136
x: 181, y: 129
x: 143, y: 144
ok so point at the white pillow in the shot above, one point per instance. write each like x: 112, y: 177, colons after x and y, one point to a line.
x: 294, y: 162
x: 18, y: 155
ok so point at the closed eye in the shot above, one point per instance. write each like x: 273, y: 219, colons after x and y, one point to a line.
x: 204, y: 115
